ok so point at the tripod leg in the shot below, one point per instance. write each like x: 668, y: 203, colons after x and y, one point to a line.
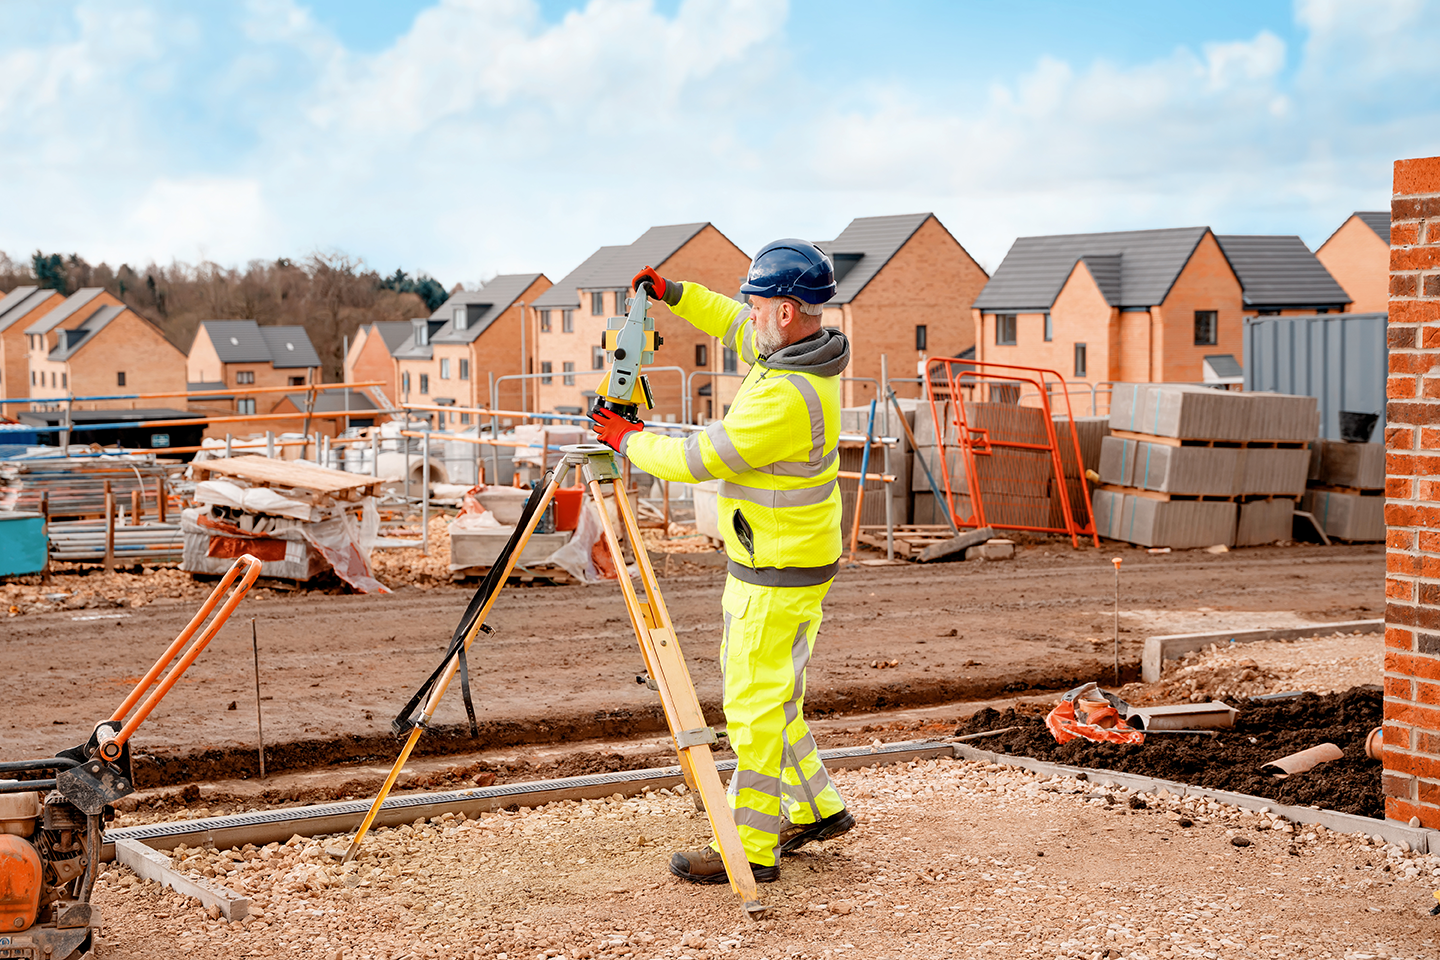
x: 666, y: 663
x: 453, y: 666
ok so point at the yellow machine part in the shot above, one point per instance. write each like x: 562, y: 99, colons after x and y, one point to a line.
x: 612, y: 338
x: 21, y: 874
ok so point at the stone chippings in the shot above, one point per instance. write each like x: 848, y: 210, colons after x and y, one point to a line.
x: 950, y: 859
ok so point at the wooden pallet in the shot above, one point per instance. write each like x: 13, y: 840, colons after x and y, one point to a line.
x: 1189, y: 442
x: 307, y: 478
x: 1353, y: 491
x: 910, y: 538
x: 520, y: 575
x: 1164, y: 497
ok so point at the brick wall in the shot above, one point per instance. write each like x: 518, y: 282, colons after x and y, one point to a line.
x: 1412, y: 509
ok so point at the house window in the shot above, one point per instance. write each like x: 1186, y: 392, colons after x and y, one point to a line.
x: 32, y: 378
x: 920, y: 336
x: 120, y: 378
x: 405, y: 382
x: 1005, y: 329
x: 464, y: 370
x: 544, y: 321
x: 445, y: 368
x: 460, y: 318
x: 620, y: 303
x: 1206, y: 328
x: 422, y: 333
x: 424, y: 383
x: 729, y: 360
x: 1049, y: 329
x: 245, y: 406
x: 568, y: 367
x: 597, y: 304
x: 597, y: 358
x: 464, y: 418
x: 52, y: 378
x: 702, y: 354
x: 65, y: 380
x: 1080, y: 360
x: 567, y: 321
x: 244, y: 377
x: 297, y: 381
x: 545, y: 368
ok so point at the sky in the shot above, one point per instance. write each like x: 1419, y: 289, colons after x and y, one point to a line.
x: 465, y: 138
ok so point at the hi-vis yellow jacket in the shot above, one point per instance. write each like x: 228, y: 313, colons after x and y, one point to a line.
x: 775, y: 453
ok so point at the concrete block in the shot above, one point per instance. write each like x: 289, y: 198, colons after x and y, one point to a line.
x: 1182, y: 524
x: 1347, y: 516
x: 1274, y: 471
x: 1190, y: 412
x: 1079, y: 502
x: 925, y: 434
x: 1264, y: 521
x: 1338, y: 464
x: 992, y: 550
x: 1187, y: 470
x: 1090, y: 432
x: 1117, y: 461
x: 1174, y: 646
x: 1282, y: 416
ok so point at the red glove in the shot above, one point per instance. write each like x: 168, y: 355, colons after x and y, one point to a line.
x: 660, y: 288
x: 612, y: 429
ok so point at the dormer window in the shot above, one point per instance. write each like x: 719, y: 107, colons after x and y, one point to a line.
x: 422, y: 333
x: 460, y: 318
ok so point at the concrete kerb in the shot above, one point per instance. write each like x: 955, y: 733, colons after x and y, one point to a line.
x: 1419, y: 839
x: 1173, y: 646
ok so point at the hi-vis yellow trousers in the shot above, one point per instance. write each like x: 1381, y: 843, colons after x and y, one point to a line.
x: 769, y: 634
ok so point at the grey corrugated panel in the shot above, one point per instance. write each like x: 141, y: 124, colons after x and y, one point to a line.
x: 876, y: 239
x: 1377, y: 220
x: 237, y: 341
x: 1280, y: 271
x: 1035, y: 268
x: 76, y: 301
x: 290, y: 346
x: 1340, y: 359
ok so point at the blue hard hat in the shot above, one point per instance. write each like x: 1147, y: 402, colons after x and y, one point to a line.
x: 791, y: 268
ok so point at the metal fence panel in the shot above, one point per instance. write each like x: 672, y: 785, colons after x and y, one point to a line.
x: 1340, y: 359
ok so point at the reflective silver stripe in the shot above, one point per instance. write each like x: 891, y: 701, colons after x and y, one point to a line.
x: 784, y: 576
x: 724, y: 651
x: 803, y: 497
x: 800, y: 776
x: 694, y: 460
x: 803, y: 469
x: 754, y: 780
x: 725, y: 447
x: 747, y: 344
x: 770, y: 823
x: 817, y: 414
x: 732, y: 331
x: 806, y: 746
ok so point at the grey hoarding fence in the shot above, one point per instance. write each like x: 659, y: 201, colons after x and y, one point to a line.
x: 1340, y: 359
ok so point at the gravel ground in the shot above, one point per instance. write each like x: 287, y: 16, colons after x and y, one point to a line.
x: 1319, y: 664
x: 950, y: 859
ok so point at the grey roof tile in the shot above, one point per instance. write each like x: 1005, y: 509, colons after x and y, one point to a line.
x: 408, y: 350
x: 77, y: 337
x: 496, y: 297
x: 1035, y: 268
x: 290, y: 346
x: 1278, y: 271
x: 612, y: 268
x: 1377, y: 220
x: 15, y: 308
x: 393, y: 332
x: 73, y: 303
x: 333, y: 401
x: 876, y: 240
x: 9, y: 300
x: 237, y: 341
x: 1105, y: 269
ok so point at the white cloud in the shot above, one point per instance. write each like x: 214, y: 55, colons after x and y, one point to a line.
x: 203, y: 218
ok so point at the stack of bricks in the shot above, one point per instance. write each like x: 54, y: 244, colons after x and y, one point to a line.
x: 1412, y: 490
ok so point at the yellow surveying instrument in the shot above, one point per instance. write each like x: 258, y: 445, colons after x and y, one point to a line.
x: 630, y: 342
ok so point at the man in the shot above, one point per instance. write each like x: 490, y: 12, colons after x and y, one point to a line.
x: 776, y: 456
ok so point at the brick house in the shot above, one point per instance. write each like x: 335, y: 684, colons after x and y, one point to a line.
x: 18, y: 309
x: 449, y: 357
x: 1358, y: 257
x: 1142, y: 305
x: 93, y: 345
x: 229, y: 354
x: 904, y: 290
x: 372, y: 356
x: 570, y: 321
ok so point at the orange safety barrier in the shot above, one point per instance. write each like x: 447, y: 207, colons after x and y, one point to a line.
x: 1002, y: 461
x: 247, y: 569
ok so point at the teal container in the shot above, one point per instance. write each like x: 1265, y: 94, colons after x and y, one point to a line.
x: 22, y: 543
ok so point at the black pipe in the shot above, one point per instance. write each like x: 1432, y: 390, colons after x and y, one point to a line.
x: 27, y: 786
x: 49, y: 763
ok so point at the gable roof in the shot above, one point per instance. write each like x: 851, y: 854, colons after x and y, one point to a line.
x: 18, y: 303
x: 612, y: 268
x: 1277, y: 271
x: 864, y: 247
x: 64, y: 311
x: 70, y: 341
x: 245, y: 341
x: 409, y: 350
x: 392, y: 332
x: 1105, y: 270
x: 1035, y: 268
x: 496, y: 296
x: 1377, y: 220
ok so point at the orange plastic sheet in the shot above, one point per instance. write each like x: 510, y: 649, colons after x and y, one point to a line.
x: 1087, y: 713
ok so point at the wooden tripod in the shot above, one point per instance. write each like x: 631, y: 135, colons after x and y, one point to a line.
x: 658, y: 645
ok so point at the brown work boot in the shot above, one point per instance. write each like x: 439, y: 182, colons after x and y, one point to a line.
x: 705, y: 866
x: 796, y: 835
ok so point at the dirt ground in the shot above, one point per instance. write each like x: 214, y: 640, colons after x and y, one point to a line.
x: 949, y: 859
x: 334, y: 669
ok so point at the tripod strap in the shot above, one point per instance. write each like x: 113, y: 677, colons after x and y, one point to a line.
x: 408, y: 716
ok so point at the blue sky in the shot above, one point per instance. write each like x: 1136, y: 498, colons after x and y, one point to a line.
x: 469, y: 137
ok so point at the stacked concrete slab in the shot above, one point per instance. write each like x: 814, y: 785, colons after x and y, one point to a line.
x: 1347, y: 489
x: 1210, y: 444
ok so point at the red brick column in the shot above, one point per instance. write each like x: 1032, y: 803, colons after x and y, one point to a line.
x: 1412, y: 490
